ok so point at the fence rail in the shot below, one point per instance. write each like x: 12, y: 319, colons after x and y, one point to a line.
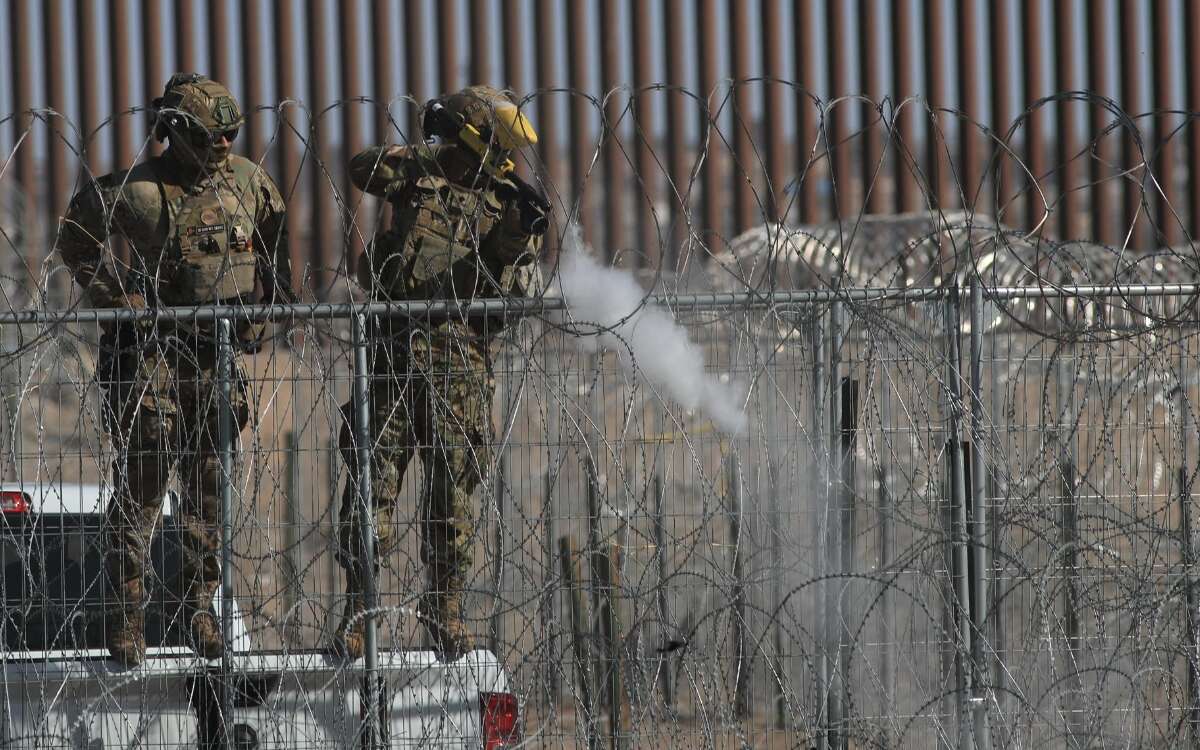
x: 934, y: 528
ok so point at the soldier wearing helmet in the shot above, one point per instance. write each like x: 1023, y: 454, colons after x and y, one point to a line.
x: 203, y: 226
x: 464, y: 227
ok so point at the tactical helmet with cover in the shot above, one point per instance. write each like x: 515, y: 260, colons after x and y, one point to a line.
x: 483, y: 119
x: 192, y: 103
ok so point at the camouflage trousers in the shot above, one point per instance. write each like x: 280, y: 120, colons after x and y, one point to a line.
x: 162, y: 398
x: 432, y: 399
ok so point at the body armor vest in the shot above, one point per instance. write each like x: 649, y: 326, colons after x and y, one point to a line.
x: 431, y: 251
x: 209, y: 256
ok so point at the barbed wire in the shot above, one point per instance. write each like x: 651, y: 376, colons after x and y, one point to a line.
x: 948, y: 514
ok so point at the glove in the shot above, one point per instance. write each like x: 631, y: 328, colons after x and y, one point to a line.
x: 534, y: 209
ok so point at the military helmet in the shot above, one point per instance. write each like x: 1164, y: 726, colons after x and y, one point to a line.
x: 482, y: 118
x: 194, y: 102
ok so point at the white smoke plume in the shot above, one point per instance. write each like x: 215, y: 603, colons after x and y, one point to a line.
x: 647, y: 339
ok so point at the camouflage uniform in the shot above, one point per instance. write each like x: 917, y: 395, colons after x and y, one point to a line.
x: 196, y: 235
x: 456, y: 234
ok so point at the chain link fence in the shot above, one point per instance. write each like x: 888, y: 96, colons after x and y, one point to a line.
x: 867, y: 481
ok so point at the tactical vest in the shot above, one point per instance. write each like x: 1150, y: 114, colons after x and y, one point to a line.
x: 431, y: 251
x: 209, y: 255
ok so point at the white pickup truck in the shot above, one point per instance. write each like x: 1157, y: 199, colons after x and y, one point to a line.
x: 61, y: 691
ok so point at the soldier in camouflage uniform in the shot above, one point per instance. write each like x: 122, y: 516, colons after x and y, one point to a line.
x: 464, y: 227
x: 203, y: 226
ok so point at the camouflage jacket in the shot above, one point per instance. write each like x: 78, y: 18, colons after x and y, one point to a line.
x: 192, y: 240
x: 456, y: 233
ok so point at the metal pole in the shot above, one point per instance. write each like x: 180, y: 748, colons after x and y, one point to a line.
x: 660, y: 555
x: 821, y: 539
x: 225, y: 439
x: 959, y: 522
x: 366, y: 522
x: 741, y: 691
x: 832, y: 602
x: 980, y: 527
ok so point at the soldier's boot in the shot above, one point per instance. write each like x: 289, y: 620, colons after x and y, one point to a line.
x: 204, y: 629
x: 349, y: 640
x: 441, y: 611
x: 125, y: 636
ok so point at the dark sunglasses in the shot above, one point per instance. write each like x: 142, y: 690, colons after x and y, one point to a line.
x: 202, y: 137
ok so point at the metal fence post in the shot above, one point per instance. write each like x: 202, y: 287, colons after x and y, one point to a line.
x: 660, y: 557
x: 980, y: 525
x: 959, y: 521
x: 1186, y: 428
x: 833, y: 545
x: 225, y: 439
x: 741, y: 690
x: 819, y: 528
x: 362, y: 449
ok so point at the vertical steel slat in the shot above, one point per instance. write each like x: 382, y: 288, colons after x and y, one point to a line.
x: 1192, y: 52
x: 122, y: 101
x: 970, y: 102
x: 545, y: 30
x: 1169, y: 203
x: 86, y: 87
x: 21, y: 59
x: 185, y: 36
x: 774, y: 98
x: 678, y: 165
x: 616, y: 178
x: 366, y: 520
x: 937, y: 162
x: 482, y: 33
x: 219, y: 28
x: 580, y: 113
x: 808, y: 117
x: 649, y: 174
x: 154, y: 73
x: 1035, y: 160
x: 289, y: 164
x: 252, y: 96
x: 513, y: 50
x: 873, y: 125
x: 382, y: 80
x: 1103, y: 185
x: 122, y: 137
x: 1005, y: 177
x: 416, y: 69
x: 1132, y: 156
x: 907, y: 161
x: 323, y: 250
x: 712, y: 172
x: 837, y: 133
x: 1066, y: 137
x: 746, y: 178
x: 352, y: 128
x: 447, y: 33
x: 58, y: 129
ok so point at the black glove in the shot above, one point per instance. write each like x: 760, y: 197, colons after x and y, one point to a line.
x: 531, y: 202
